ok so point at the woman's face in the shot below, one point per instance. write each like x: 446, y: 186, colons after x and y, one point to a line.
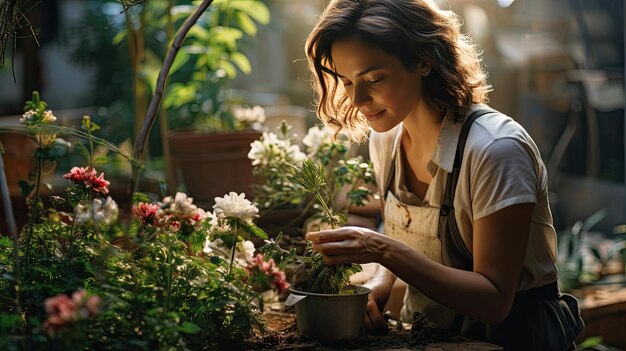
x: 378, y: 84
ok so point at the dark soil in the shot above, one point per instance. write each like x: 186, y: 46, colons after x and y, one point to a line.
x: 282, y: 334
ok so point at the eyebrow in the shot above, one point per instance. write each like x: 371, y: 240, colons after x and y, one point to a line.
x: 365, y: 71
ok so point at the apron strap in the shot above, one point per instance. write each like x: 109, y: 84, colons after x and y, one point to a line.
x: 453, y: 177
x: 453, y: 250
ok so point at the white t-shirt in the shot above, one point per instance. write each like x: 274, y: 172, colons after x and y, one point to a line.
x: 501, y: 167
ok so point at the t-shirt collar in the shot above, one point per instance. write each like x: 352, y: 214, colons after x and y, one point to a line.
x: 445, y: 149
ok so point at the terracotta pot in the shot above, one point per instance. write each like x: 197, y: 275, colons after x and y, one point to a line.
x: 18, y: 158
x: 214, y: 164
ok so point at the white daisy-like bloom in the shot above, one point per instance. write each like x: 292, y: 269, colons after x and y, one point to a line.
x: 28, y: 116
x: 104, y: 212
x: 246, y: 247
x: 249, y: 115
x: 294, y: 155
x: 260, y: 150
x: 316, y: 137
x: 181, y: 206
x: 270, y: 149
x: 48, y: 117
x: 218, y: 226
x: 244, y: 250
x: 235, y: 205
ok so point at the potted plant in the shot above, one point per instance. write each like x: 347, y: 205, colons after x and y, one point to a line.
x: 328, y: 307
x: 211, y: 128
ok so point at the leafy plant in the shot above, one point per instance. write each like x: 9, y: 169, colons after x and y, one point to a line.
x: 576, y: 251
x: 160, y: 289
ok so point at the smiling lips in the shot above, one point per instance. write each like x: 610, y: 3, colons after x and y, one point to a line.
x: 373, y: 116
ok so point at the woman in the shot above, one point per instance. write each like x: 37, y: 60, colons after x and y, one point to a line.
x: 471, y: 234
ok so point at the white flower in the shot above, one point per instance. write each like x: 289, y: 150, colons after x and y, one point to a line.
x: 316, y: 137
x: 180, y: 206
x: 249, y: 115
x: 244, y: 250
x: 28, y: 116
x: 104, y: 212
x: 235, y: 205
x: 48, y: 117
x: 218, y: 226
x: 246, y: 247
x: 270, y: 149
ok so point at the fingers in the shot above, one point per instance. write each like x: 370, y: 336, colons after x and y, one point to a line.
x: 330, y: 235
x: 374, y: 320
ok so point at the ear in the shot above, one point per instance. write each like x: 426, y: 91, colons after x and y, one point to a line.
x: 424, y: 66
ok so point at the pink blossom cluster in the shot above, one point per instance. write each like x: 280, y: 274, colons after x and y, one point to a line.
x: 265, y: 275
x: 89, y: 177
x: 64, y: 311
x: 147, y: 213
x: 170, y: 213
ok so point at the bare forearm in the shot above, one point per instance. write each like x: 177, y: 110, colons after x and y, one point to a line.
x: 468, y: 293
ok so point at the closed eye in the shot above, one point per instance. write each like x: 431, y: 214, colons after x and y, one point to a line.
x: 375, y: 81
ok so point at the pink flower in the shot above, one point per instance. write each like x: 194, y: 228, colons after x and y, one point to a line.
x: 89, y: 177
x: 146, y: 212
x: 63, y: 311
x: 99, y: 184
x: 265, y: 275
x: 80, y: 174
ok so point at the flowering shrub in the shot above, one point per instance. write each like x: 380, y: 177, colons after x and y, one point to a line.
x: 276, y: 158
x: 77, y: 277
x: 265, y: 275
x: 64, y: 311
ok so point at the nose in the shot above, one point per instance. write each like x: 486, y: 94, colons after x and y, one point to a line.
x: 360, y: 95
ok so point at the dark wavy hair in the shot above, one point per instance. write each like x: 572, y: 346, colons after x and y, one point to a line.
x: 416, y: 32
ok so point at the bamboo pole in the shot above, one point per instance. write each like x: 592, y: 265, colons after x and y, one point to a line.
x: 153, y: 108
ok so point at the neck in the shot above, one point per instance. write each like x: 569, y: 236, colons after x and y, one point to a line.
x: 421, y: 128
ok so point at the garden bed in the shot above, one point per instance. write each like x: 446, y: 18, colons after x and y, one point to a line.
x: 282, y: 334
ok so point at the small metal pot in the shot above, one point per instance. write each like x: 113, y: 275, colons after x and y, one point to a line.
x: 327, y: 317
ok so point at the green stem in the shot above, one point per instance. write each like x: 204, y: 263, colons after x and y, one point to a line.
x: 35, y: 204
x: 169, y: 278
x: 232, y: 255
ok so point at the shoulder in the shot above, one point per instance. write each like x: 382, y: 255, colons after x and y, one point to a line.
x: 499, y: 134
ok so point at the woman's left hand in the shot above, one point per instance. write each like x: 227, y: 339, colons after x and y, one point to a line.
x: 349, y: 245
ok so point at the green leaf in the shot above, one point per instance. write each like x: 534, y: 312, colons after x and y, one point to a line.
x: 188, y: 328
x: 241, y: 61
x: 226, y: 36
x: 200, y: 32
x: 82, y: 150
x: 119, y: 37
x: 179, y: 61
x: 246, y: 23
x: 101, y: 160
x: 253, y: 229
x: 179, y: 94
x: 253, y: 8
x: 590, y: 342
x: 229, y: 68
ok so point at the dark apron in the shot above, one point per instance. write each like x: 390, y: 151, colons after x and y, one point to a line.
x: 541, y: 318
